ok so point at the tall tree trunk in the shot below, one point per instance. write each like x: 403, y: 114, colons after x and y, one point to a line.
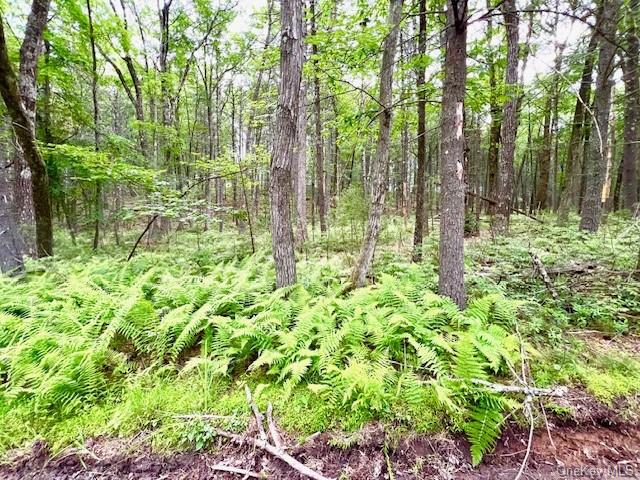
x: 509, y: 121
x: 379, y: 167
x: 320, y: 176
x: 596, y: 157
x: 452, y: 149
x: 631, y: 112
x: 573, y: 169
x: 544, y: 162
x: 291, y: 59
x: 20, y: 102
x: 300, y: 172
x: 422, y: 133
x: 96, y: 128
x: 494, y: 129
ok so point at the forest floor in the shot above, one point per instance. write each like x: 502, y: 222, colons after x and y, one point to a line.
x: 599, y: 446
x: 586, y: 340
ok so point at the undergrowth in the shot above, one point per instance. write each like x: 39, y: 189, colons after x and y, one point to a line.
x: 90, y: 345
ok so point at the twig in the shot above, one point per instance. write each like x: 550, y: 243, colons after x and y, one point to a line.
x: 273, y: 429
x: 239, y: 471
x: 532, y: 391
x: 256, y: 413
x: 285, y: 457
x: 546, y: 423
x: 525, y: 460
x: 203, y: 416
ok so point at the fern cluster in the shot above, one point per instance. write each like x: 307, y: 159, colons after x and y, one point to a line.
x: 67, y: 337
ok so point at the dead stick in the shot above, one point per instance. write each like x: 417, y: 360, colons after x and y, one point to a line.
x: 285, y: 457
x: 239, y: 471
x: 495, y: 202
x: 203, y: 416
x: 256, y: 413
x: 533, y: 391
x: 273, y: 428
x: 537, y: 263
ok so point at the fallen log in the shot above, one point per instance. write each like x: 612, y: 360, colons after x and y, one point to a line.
x: 495, y: 202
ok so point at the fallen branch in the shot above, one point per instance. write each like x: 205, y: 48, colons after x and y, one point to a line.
x: 239, y: 471
x: 203, y: 416
x: 273, y: 429
x: 182, y: 195
x: 532, y: 391
x: 256, y: 413
x: 539, y: 266
x: 495, y: 202
x: 285, y: 457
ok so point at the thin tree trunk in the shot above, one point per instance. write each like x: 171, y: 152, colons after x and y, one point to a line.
x: 320, y: 183
x: 631, y: 112
x: 379, y: 168
x: 544, y: 163
x: 422, y: 132
x: 495, y: 125
x: 96, y: 128
x: 596, y: 158
x: 573, y: 169
x: 300, y: 172
x: 451, y: 261
x: 291, y: 59
x: 509, y: 121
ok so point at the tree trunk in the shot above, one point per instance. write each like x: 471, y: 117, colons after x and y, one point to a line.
x: 284, y: 148
x: 451, y: 263
x: 96, y: 129
x: 422, y: 132
x: 573, y: 169
x: 509, y: 121
x: 320, y: 184
x: 379, y: 167
x: 22, y: 113
x: 596, y: 157
x: 300, y: 171
x: 12, y: 247
x: 494, y: 129
x: 544, y: 163
x: 631, y: 113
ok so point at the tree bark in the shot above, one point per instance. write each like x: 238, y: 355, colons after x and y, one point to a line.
x: 631, y: 112
x: 544, y: 163
x: 96, y: 129
x: 300, y: 172
x: 291, y: 59
x: 320, y: 183
x: 12, y: 247
x: 422, y: 132
x: 596, y: 156
x: 494, y: 129
x: 23, y: 118
x: 380, y: 165
x: 452, y: 151
x: 573, y: 169
x: 509, y: 121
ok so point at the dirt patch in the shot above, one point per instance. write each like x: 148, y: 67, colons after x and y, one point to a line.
x: 564, y: 451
